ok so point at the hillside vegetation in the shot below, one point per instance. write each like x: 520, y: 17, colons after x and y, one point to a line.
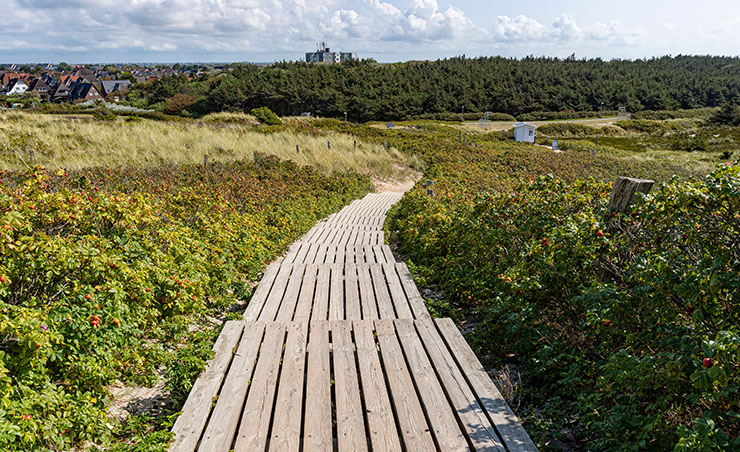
x: 83, y: 141
x: 115, y: 275
x: 625, y: 338
x: 370, y: 91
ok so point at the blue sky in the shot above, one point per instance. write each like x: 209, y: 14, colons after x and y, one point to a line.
x: 79, y: 31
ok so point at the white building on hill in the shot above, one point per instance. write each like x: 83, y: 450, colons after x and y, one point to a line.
x: 524, y: 131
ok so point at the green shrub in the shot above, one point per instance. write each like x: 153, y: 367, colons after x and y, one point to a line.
x: 645, y: 126
x: 566, y: 114
x: 112, y: 274
x: 610, y: 330
x: 266, y: 116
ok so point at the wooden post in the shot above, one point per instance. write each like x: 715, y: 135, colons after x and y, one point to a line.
x: 328, y: 144
x: 355, y: 144
x: 205, y: 160
x: 297, y: 149
x: 623, y: 194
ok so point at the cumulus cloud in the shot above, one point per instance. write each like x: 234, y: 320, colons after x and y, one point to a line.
x: 564, y: 29
x: 241, y: 27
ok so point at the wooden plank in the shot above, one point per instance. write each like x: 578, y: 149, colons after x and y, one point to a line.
x: 510, y: 430
x: 350, y: 421
x: 340, y: 259
x: 400, y: 302
x: 284, y: 310
x: 415, y: 432
x: 286, y: 427
x: 318, y: 418
x: 190, y: 424
x: 260, y: 293
x: 382, y: 296
x: 300, y: 256
x: 331, y: 253
x: 336, y: 293
x: 306, y: 295
x: 320, y: 310
x: 412, y: 293
x: 350, y: 254
x: 388, y: 253
x: 292, y: 251
x: 471, y: 415
x: 255, y: 421
x: 352, y: 310
x: 321, y: 254
x: 381, y: 423
x: 220, y: 431
x: 444, y: 423
x: 367, y: 296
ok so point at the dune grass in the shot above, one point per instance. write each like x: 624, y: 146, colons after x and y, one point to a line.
x: 82, y: 141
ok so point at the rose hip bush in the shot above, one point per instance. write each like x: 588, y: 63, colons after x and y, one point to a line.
x: 625, y: 327
x: 110, y: 275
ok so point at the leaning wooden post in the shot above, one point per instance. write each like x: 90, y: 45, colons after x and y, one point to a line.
x: 623, y: 194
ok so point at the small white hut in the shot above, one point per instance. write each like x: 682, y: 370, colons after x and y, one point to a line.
x: 524, y: 131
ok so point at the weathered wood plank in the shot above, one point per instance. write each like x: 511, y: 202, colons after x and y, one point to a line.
x: 336, y: 293
x: 507, y: 425
x: 381, y: 423
x: 350, y: 422
x: 444, y: 424
x: 286, y: 427
x: 306, y: 295
x: 352, y: 309
x: 477, y: 426
x: 272, y: 304
x: 320, y: 310
x: 415, y: 432
x: 286, y: 307
x: 260, y: 293
x: 383, y: 297
x: 255, y: 421
x: 192, y: 421
x: 318, y: 418
x: 219, y: 435
x: 412, y: 293
x: 398, y: 296
x: 367, y: 296
x: 388, y: 254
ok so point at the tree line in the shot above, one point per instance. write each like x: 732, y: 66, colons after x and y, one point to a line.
x: 367, y: 90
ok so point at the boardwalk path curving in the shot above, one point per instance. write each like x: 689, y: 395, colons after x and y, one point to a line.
x: 337, y: 352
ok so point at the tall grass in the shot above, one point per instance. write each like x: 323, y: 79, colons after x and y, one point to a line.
x: 79, y: 142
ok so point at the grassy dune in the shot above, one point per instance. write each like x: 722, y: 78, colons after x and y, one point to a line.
x: 81, y: 141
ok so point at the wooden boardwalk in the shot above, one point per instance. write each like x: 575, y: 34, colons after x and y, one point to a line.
x: 337, y: 352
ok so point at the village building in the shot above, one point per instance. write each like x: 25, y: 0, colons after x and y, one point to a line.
x: 324, y: 55
x: 82, y: 91
x: 16, y: 87
x: 524, y: 132
x: 108, y: 87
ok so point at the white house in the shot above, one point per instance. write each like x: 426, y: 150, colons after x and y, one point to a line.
x: 524, y: 131
x: 16, y: 87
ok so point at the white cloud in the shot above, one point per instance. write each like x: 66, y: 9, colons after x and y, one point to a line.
x: 239, y: 29
x: 520, y: 28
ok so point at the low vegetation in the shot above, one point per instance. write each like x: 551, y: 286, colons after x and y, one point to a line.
x: 626, y: 336
x: 83, y: 141
x: 115, y: 275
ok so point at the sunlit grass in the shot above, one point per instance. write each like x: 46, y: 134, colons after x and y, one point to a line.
x: 82, y: 141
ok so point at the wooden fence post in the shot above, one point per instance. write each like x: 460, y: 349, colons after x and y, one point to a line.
x: 623, y: 194
x: 328, y: 144
x: 297, y: 149
x: 205, y: 160
x: 355, y: 144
